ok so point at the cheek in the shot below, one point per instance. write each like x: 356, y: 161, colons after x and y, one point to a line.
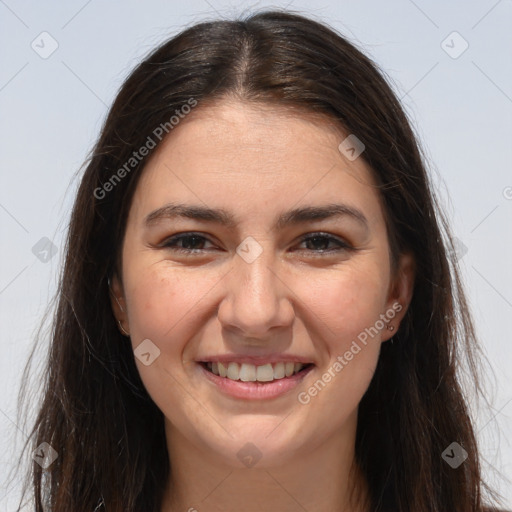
x: 346, y: 302
x: 163, y: 307
x: 163, y: 302
x: 346, y: 306
x: 168, y: 307
x: 349, y: 306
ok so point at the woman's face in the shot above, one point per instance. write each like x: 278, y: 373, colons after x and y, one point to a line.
x: 266, y: 282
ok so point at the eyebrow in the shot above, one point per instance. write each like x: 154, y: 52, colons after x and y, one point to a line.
x: 220, y: 216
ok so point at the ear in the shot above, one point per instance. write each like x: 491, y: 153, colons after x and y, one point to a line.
x: 118, y: 303
x: 400, y: 295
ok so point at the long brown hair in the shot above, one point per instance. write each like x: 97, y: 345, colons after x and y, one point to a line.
x: 96, y: 413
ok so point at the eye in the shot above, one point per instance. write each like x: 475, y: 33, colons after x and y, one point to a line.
x: 318, y: 243
x: 188, y: 240
x: 321, y: 241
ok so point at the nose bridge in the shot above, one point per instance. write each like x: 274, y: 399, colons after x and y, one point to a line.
x: 255, y: 295
x: 255, y: 274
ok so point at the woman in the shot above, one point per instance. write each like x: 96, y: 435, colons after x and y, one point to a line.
x: 257, y: 308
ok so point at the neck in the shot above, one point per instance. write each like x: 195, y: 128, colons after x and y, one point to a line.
x: 324, y: 479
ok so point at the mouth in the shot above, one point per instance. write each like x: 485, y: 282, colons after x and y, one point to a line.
x: 248, y: 381
x: 247, y: 372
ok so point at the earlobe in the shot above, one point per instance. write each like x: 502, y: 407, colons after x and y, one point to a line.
x: 400, y: 296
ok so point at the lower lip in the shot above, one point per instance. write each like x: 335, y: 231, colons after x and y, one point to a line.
x: 255, y: 390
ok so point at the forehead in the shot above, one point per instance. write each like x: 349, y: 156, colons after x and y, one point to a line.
x: 254, y: 158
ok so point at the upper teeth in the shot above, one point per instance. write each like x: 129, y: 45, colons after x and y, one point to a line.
x: 250, y: 372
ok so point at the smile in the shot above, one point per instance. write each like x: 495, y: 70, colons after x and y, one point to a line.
x: 248, y: 381
x: 248, y: 372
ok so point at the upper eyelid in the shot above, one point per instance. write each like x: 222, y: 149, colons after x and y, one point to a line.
x: 186, y: 234
x: 341, y: 241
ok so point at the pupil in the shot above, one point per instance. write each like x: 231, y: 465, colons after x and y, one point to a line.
x: 322, y: 240
x: 187, y: 244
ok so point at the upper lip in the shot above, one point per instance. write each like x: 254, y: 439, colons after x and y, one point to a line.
x: 255, y: 360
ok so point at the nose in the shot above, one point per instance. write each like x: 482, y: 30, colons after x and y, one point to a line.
x: 256, y: 302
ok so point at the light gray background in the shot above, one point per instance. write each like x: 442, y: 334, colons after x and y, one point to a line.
x: 52, y: 110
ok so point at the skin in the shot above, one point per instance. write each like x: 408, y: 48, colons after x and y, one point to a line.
x: 258, y: 161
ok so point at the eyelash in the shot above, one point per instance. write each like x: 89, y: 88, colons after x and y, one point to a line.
x: 342, y: 246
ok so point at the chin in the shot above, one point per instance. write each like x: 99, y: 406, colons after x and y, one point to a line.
x: 260, y: 441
